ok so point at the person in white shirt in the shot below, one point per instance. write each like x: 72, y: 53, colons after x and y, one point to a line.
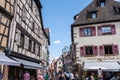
x: 72, y: 76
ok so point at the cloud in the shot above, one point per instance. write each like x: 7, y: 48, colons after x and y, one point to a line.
x: 57, y: 42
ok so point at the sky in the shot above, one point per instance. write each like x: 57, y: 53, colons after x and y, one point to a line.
x: 58, y: 15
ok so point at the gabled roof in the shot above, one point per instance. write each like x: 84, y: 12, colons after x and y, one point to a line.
x: 104, y: 14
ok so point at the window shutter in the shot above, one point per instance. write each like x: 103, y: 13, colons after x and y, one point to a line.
x: 32, y: 46
x: 101, y: 50
x: 36, y: 48
x: 113, y: 30
x: 18, y: 35
x: 26, y: 42
x: 115, y: 50
x: 81, y: 32
x: 93, y: 31
x: 95, y: 50
x: 23, y: 14
x: 99, y: 30
x: 82, y: 51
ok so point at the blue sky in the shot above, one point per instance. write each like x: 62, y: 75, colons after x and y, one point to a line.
x: 58, y: 15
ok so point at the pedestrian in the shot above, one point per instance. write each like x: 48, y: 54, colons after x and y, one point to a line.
x: 40, y: 77
x: 26, y: 75
x: 92, y: 76
x: 100, y: 74
x: 46, y: 77
x: 67, y: 75
x: 72, y: 76
x: 76, y: 76
x: 61, y: 75
x: 1, y: 75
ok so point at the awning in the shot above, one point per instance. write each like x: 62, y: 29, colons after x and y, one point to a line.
x: 29, y: 64
x: 5, y: 60
x: 105, y: 66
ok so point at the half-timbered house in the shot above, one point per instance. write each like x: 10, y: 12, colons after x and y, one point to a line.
x: 22, y: 38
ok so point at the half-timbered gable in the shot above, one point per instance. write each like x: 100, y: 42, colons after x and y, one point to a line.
x: 29, y: 33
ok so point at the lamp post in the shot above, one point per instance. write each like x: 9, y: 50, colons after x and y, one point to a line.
x: 64, y: 51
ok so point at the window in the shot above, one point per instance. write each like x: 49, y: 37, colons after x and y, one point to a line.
x: 33, y: 26
x: 106, y: 29
x: 89, y: 50
x: 39, y: 50
x: 102, y: 3
x: 93, y: 15
x: 34, y: 47
x: 59, y: 62
x: 24, y: 14
x: 31, y: 4
x: 108, y: 49
x: 22, y: 40
x: 116, y: 10
x: 30, y: 45
x: 87, y: 31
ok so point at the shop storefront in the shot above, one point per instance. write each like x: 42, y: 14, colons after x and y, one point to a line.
x: 111, y: 67
x: 31, y: 67
x: 13, y: 68
x: 6, y: 61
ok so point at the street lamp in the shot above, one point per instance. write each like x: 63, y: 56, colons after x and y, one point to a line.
x: 66, y: 49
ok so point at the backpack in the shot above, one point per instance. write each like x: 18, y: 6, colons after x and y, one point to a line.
x: 67, y: 77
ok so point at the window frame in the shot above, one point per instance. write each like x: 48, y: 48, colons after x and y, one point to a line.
x: 107, y: 29
x: 116, y: 10
x: 30, y: 45
x: 90, y: 51
x: 22, y: 38
x: 90, y: 32
x: 112, y: 26
x: 102, y: 3
x: 87, y: 31
x: 93, y: 14
x: 108, y: 52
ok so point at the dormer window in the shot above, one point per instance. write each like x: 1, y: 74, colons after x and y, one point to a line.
x: 93, y: 14
x: 100, y: 3
x: 116, y: 10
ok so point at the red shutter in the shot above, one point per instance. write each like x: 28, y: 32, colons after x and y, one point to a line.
x: 93, y: 31
x: 99, y: 30
x: 115, y: 50
x: 101, y: 50
x: 113, y: 30
x: 82, y: 51
x: 81, y: 31
x: 95, y: 50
